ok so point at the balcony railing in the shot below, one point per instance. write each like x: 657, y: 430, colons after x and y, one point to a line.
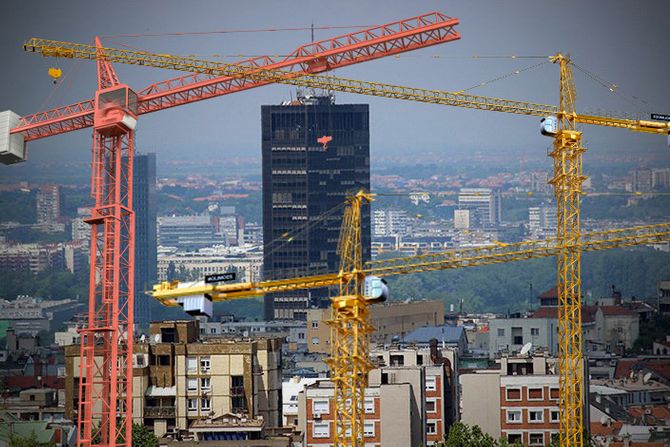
x: 159, y: 412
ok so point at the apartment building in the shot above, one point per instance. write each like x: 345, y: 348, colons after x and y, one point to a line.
x: 518, y: 402
x: 389, y: 320
x: 195, y: 389
x: 411, y: 399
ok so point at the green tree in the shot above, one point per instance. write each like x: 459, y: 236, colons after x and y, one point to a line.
x: 142, y: 436
x: 462, y: 435
x: 30, y: 441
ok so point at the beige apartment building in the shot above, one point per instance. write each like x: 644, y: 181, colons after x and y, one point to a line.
x: 200, y: 390
x: 519, y: 401
x: 389, y: 320
x: 411, y: 400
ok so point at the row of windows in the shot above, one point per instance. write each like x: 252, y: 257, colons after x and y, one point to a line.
x: 205, y: 404
x: 534, y: 331
x: 322, y: 406
x: 534, y: 439
x: 534, y: 416
x: 192, y: 384
x: 532, y: 393
x: 322, y: 429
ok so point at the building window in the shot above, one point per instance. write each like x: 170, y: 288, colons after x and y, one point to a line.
x: 315, y: 340
x: 514, y: 438
x: 430, y: 406
x: 431, y: 384
x: 513, y: 393
x: 192, y: 404
x: 191, y: 384
x: 369, y: 404
x: 191, y: 364
x: 501, y: 332
x: 315, y: 324
x: 212, y: 330
x: 554, y: 394
x: 204, y: 364
x: 369, y: 429
x: 205, y: 383
x: 536, y: 439
x: 301, y: 335
x: 536, y: 416
x: 140, y: 360
x: 555, y: 415
x: 514, y: 416
x: 431, y: 428
x: 535, y: 393
x: 205, y: 404
x: 321, y: 430
x: 164, y: 360
x: 535, y: 331
x: 320, y: 406
x: 397, y: 360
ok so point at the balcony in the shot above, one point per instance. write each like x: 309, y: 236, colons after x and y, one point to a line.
x: 159, y: 412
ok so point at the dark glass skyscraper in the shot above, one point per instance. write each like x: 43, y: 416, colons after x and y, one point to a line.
x: 304, y: 188
x: 146, y: 263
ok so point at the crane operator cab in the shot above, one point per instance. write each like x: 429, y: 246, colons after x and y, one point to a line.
x: 376, y: 290
x: 549, y: 126
x: 115, y: 110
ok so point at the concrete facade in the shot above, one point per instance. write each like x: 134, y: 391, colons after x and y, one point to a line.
x: 180, y: 381
x: 389, y: 320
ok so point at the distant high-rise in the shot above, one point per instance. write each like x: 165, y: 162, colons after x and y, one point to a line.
x: 48, y: 205
x: 389, y: 222
x: 539, y: 182
x: 642, y: 180
x: 305, y: 183
x: 484, y: 204
x: 146, y: 262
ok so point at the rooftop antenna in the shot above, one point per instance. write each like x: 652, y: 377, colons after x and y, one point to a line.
x: 312, y: 28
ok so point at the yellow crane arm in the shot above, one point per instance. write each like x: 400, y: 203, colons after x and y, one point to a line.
x: 53, y: 48
x: 167, y: 292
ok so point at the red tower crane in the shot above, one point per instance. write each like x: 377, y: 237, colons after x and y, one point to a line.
x: 105, y: 388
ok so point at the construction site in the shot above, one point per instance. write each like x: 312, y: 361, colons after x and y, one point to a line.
x: 375, y: 368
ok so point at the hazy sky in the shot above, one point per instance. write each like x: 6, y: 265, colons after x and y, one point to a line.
x: 624, y: 42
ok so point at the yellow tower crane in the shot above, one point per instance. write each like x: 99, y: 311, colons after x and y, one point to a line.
x: 567, y: 181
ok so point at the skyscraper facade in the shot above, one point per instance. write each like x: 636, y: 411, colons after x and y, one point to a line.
x: 305, y: 183
x: 484, y: 205
x: 144, y: 204
x: 48, y: 205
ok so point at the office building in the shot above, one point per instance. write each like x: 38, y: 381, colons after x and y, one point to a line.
x: 48, y: 208
x: 539, y: 182
x: 642, y: 180
x: 542, y: 220
x: 305, y: 183
x: 484, y: 206
x: 660, y: 178
x: 144, y: 204
x: 392, y: 320
x: 247, y: 264
x: 389, y: 222
x: 216, y: 389
x: 461, y: 219
x: 188, y: 232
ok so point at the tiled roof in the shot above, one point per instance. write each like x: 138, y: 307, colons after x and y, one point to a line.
x: 588, y: 313
x: 551, y: 293
x: 660, y: 367
x: 616, y: 311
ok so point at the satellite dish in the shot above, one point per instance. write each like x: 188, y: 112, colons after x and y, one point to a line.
x: 646, y: 378
x: 157, y: 338
x: 526, y: 348
x: 143, y: 338
x: 603, y: 420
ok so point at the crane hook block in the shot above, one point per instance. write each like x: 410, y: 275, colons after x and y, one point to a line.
x: 55, y: 73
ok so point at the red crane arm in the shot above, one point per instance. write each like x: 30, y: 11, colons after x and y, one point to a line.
x: 369, y: 44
